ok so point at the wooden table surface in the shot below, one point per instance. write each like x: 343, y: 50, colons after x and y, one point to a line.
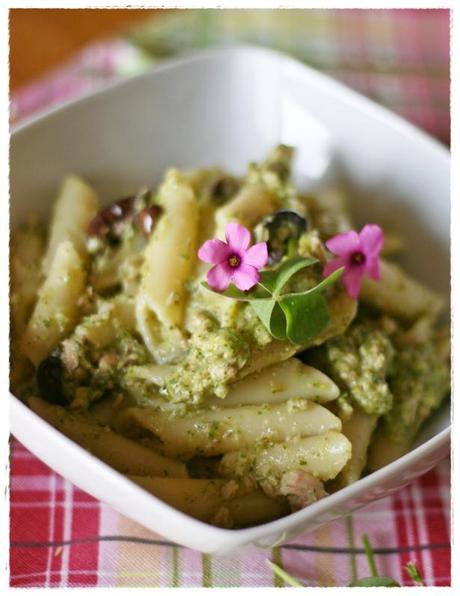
x: 41, y: 39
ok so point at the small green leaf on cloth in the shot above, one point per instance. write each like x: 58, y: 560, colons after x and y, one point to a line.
x: 414, y: 574
x: 375, y: 581
x: 288, y: 579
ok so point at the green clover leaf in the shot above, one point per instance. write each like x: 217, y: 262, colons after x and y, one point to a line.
x: 298, y: 316
x: 271, y: 315
x: 258, y: 292
x: 275, y: 280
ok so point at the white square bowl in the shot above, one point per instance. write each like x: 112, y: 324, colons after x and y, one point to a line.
x: 229, y: 107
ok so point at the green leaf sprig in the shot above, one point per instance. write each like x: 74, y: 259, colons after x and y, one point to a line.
x: 296, y: 316
x: 374, y: 580
x: 414, y: 574
x: 288, y: 579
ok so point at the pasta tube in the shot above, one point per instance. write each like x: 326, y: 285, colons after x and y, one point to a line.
x: 322, y: 456
x: 278, y: 383
x: 56, y: 311
x: 27, y: 248
x: 75, y: 207
x: 222, y: 502
x: 152, y: 374
x: 329, y: 212
x: 358, y: 430
x: 213, y: 432
x: 248, y: 207
x: 399, y: 295
x: 170, y: 257
x: 384, y: 450
x: 126, y: 456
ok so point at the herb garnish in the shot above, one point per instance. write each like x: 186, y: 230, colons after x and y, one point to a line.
x: 297, y: 316
x: 374, y: 580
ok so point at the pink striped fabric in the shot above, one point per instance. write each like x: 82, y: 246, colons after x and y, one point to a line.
x: 60, y: 536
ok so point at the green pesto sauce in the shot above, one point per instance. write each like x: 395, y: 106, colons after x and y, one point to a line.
x: 249, y: 326
x: 420, y: 380
x: 96, y: 369
x: 359, y: 361
x: 212, y: 362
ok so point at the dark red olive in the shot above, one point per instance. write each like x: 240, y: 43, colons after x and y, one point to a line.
x: 121, y: 209
x: 102, y: 223
x: 148, y: 217
x: 98, y: 226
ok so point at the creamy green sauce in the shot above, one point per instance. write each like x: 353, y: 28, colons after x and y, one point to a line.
x: 90, y: 370
x: 380, y: 374
x: 360, y: 361
x: 420, y: 380
x: 212, y: 362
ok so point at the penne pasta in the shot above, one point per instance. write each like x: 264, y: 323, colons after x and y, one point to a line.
x: 170, y: 257
x: 249, y: 206
x: 400, y: 296
x: 126, y: 456
x: 75, y: 207
x: 329, y: 212
x: 394, y: 244
x: 213, y: 432
x: 56, y: 311
x: 278, y: 383
x: 358, y: 429
x: 222, y: 502
x: 27, y: 248
x: 383, y: 450
x: 153, y: 374
x: 323, y: 456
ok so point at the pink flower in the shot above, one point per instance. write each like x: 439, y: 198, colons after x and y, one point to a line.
x: 233, y: 261
x: 359, y: 254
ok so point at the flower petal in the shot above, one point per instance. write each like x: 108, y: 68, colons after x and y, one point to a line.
x: 238, y: 237
x: 343, y: 244
x: 332, y: 266
x: 257, y: 255
x: 372, y: 267
x: 352, y: 281
x: 219, y: 277
x: 245, y: 277
x: 214, y: 251
x: 371, y: 238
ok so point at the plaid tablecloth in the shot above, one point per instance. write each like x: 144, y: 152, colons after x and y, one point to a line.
x: 60, y: 536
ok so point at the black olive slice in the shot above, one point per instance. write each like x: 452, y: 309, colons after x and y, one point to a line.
x: 278, y: 229
x: 50, y: 380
